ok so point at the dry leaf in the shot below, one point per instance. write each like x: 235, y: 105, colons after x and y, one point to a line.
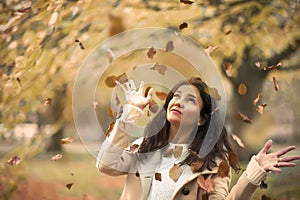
x: 206, y: 184
x: 80, y: 44
x: 183, y: 25
x: 276, y: 86
x: 158, y: 176
x: 215, y: 110
x: 257, y: 98
x: 186, y: 1
x: 160, y: 68
x: 48, y: 102
x: 223, y: 170
x: 110, y: 112
x: 264, y: 197
x: 201, y: 182
x: 134, y: 148
x: 57, y: 157
x: 228, y: 32
x: 238, y: 140
x: 69, y: 185
x: 273, y: 66
x: 209, y: 50
x: 178, y: 151
x: 233, y: 159
x: 169, y: 46
x: 175, y: 172
x: 151, y: 52
x: 109, y: 129
x: 244, y: 118
x: 196, y: 166
x: 161, y: 95
x: 242, y: 89
x: 257, y: 64
x: 66, y: 140
x: 14, y: 161
x: 228, y: 69
x: 260, y: 108
x: 110, y: 81
x: 168, y: 152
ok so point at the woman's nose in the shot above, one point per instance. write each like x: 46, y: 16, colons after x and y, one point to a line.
x: 179, y: 103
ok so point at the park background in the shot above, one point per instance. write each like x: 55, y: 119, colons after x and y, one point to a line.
x: 43, y: 44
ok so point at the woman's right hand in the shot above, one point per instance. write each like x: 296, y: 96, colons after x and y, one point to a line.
x: 135, y: 97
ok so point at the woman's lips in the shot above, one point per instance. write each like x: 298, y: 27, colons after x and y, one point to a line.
x: 176, y: 111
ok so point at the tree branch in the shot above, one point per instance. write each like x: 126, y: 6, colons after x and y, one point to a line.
x: 289, y: 68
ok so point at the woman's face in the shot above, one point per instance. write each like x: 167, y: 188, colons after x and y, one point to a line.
x: 185, y: 106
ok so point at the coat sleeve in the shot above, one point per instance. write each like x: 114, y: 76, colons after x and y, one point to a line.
x: 245, y: 186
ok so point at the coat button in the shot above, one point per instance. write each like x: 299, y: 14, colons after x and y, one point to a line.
x: 185, y: 191
x: 137, y: 174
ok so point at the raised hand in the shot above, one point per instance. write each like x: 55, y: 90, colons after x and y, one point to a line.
x: 135, y: 97
x: 272, y: 162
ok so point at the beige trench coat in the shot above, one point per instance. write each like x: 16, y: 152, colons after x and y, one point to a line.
x: 117, y: 161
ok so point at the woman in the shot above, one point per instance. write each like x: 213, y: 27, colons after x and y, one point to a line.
x: 178, y: 161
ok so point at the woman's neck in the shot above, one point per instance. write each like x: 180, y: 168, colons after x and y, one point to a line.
x: 181, y: 135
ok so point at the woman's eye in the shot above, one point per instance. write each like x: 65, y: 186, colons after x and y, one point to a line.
x: 192, y: 100
x: 176, y: 95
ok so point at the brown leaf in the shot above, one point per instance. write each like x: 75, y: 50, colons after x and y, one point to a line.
x: 110, y: 80
x: 195, y: 166
x: 228, y: 32
x: 69, y: 185
x: 273, y: 66
x: 110, y: 112
x: 80, y: 44
x: 233, y: 159
x: 238, y: 140
x: 134, y: 148
x: 201, y: 182
x: 170, y: 46
x: 209, y: 50
x: 15, y: 160
x: 264, y: 197
x: 242, y: 89
x: 228, y: 69
x: 186, y: 2
x: 158, y: 176
x: 260, y: 108
x: 161, y: 95
x: 257, y: 64
x: 223, y: 170
x: 109, y: 129
x: 178, y: 151
x: 206, y: 184
x: 257, y: 98
x: 276, y: 86
x: 160, y: 68
x: 175, y: 172
x: 151, y: 52
x: 183, y: 25
x: 168, y: 152
x: 66, y: 140
x: 57, y: 157
x: 244, y: 118
x: 48, y: 102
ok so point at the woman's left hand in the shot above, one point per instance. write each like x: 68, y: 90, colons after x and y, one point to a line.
x: 272, y: 162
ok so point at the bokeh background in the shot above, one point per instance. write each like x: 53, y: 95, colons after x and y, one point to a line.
x: 254, y: 44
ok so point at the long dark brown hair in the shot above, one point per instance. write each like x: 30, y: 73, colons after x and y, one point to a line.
x: 223, y: 147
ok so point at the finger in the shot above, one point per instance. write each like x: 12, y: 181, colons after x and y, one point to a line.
x: 275, y: 169
x: 132, y: 85
x: 121, y: 86
x: 141, y: 87
x: 267, y: 146
x: 289, y: 158
x: 285, y: 164
x: 150, y: 93
x: 285, y: 150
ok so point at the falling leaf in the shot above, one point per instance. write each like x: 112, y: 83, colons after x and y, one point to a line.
x: 238, y: 140
x: 264, y: 197
x: 151, y: 52
x: 228, y: 32
x: 228, y: 69
x: 223, y: 169
x: 260, y: 108
x: 48, y: 102
x: 134, y: 148
x: 196, y: 166
x: 183, y: 25
x: 244, y: 118
x: 206, y: 184
x: 276, y: 86
x: 158, y: 176
x: 14, y: 161
x: 273, y: 66
x: 80, y: 44
x: 72, y: 174
x: 110, y: 55
x: 160, y: 68
x: 53, y: 18
x: 66, y: 140
x: 201, y: 182
x: 186, y: 2
x: 215, y: 110
x: 69, y: 185
x: 263, y: 185
x: 110, y: 112
x: 169, y: 46
x: 168, y: 152
x: 178, y: 151
x: 175, y: 172
x: 257, y: 98
x: 161, y: 95
x: 257, y: 64
x: 57, y: 157
x: 109, y: 129
x: 242, y: 89
x: 233, y: 159
x: 110, y: 81
x: 209, y: 50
